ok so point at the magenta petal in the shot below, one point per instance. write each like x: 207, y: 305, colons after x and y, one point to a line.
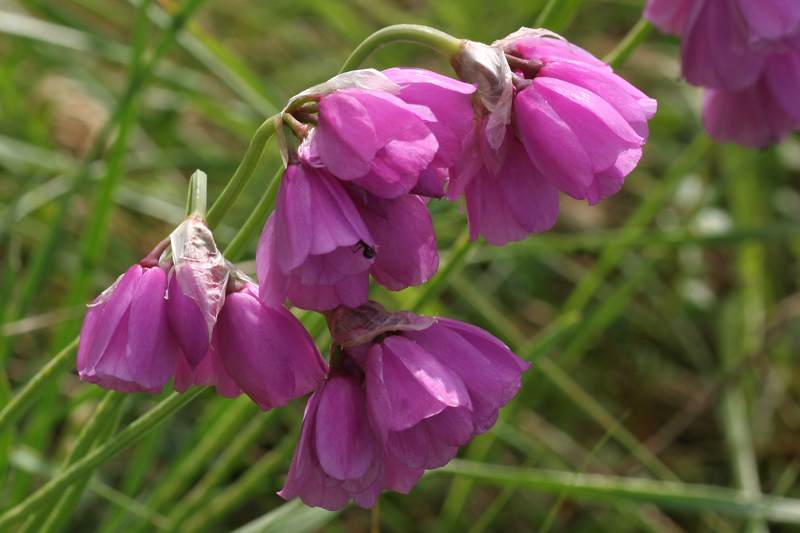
x: 453, y: 426
x: 254, y: 352
x: 308, y: 365
x: 117, y: 303
x: 410, y: 446
x: 406, y: 253
x: 343, y: 437
x: 292, y: 218
x: 274, y: 283
x: 351, y: 291
x: 152, y: 348
x: 552, y: 145
x: 770, y: 19
x: 399, y: 477
x: 714, y: 51
x: 669, y: 16
x: 520, y: 201
x: 210, y: 372
x: 346, y: 139
x: 188, y: 323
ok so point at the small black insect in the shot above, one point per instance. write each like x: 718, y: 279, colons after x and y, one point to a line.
x: 368, y: 251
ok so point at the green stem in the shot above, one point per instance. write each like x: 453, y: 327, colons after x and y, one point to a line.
x: 198, y: 193
x: 556, y: 14
x: 594, y: 487
x: 255, y: 221
x: 28, y: 395
x: 100, y: 455
x: 629, y: 43
x: 242, y: 175
x: 443, y: 43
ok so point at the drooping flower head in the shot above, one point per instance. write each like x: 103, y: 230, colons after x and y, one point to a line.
x: 405, y: 391
x: 126, y: 343
x: 573, y: 125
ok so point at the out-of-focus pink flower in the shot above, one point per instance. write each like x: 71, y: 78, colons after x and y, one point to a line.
x: 338, y: 456
x: 126, y: 344
x: 572, y: 122
x: 761, y: 114
x: 312, y: 247
x: 725, y: 42
x: 266, y: 351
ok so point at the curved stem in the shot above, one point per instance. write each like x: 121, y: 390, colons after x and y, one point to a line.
x: 25, y: 398
x: 255, y: 221
x: 443, y: 43
x: 629, y: 43
x: 243, y: 173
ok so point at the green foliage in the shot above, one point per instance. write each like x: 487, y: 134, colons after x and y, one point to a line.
x: 662, y: 323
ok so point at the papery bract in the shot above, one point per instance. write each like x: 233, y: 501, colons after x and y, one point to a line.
x: 126, y: 344
x: 196, y: 292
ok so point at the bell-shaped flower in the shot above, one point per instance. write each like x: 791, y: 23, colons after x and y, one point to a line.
x: 126, y: 343
x: 404, y: 252
x: 338, y: 456
x: 761, y: 114
x: 450, y: 101
x: 726, y: 42
x: 266, y: 351
x: 312, y: 249
x: 581, y: 125
x: 431, y: 384
x: 367, y: 135
x: 196, y: 292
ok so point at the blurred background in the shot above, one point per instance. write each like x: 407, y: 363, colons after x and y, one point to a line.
x: 662, y: 323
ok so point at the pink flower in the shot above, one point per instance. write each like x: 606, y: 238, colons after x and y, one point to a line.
x: 126, y: 343
x: 338, y: 456
x: 761, y: 114
x: 367, y: 135
x: 312, y: 247
x: 573, y: 125
x: 725, y: 42
x: 266, y: 351
x: 450, y: 101
x: 209, y: 372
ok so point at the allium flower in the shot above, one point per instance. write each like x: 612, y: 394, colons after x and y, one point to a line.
x: 725, y: 42
x: 312, y: 247
x: 209, y: 372
x: 761, y: 114
x: 338, y: 456
x: 266, y: 351
x: 126, y: 343
x: 581, y: 126
x: 367, y: 135
x: 405, y: 391
x: 450, y: 101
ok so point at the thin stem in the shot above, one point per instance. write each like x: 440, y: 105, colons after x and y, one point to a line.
x: 255, y: 221
x: 198, y: 192
x: 28, y: 395
x: 242, y: 175
x: 100, y: 455
x: 629, y: 43
x: 443, y: 43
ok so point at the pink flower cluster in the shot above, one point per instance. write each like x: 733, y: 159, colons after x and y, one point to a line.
x: 747, y: 54
x: 191, y: 319
x: 404, y: 392
x: 364, y: 153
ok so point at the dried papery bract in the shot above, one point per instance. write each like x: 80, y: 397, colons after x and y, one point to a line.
x: 198, y: 278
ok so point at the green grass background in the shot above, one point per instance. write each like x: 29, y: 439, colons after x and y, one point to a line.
x: 662, y: 323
